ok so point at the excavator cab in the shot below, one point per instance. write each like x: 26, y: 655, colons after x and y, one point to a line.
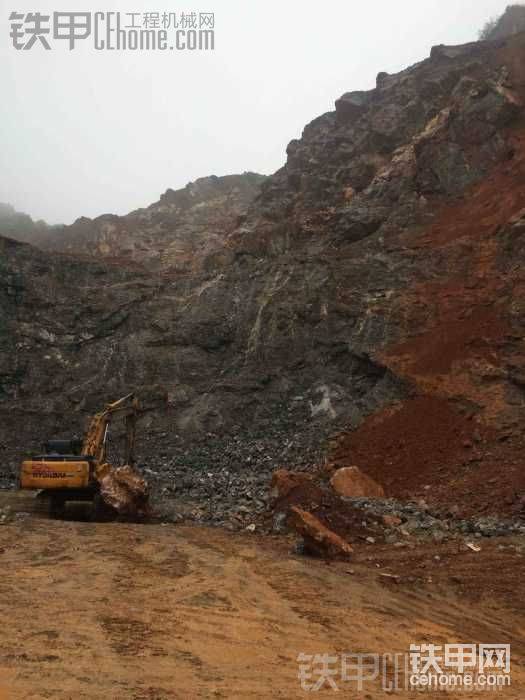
x: 76, y: 470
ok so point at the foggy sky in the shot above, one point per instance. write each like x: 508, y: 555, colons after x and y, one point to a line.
x: 88, y: 132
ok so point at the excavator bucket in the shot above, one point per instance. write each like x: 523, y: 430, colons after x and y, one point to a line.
x: 121, y: 488
x: 125, y: 491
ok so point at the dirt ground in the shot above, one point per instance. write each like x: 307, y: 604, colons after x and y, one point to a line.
x: 155, y: 612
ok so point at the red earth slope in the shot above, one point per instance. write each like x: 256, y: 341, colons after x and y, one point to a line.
x: 459, y: 438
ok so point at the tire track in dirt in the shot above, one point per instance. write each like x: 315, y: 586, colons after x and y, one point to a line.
x: 147, y: 612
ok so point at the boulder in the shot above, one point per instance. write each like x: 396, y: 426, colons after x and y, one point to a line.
x: 318, y: 539
x: 124, y: 490
x: 283, y: 481
x: 350, y: 482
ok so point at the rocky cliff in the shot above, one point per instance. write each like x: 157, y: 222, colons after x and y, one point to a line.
x: 173, y: 234
x: 373, y: 287
x: 512, y: 21
x: 21, y: 226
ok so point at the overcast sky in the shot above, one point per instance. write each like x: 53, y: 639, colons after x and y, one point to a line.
x: 88, y: 132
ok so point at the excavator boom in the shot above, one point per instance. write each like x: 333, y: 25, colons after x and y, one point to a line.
x: 95, y: 441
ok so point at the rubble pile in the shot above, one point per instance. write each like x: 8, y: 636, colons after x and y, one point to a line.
x: 373, y: 520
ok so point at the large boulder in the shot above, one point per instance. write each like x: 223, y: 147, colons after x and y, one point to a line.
x: 318, y: 539
x: 284, y: 481
x: 350, y: 482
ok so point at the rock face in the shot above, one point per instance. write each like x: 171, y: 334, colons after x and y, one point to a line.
x: 511, y: 22
x: 174, y: 234
x: 381, y: 266
x: 21, y: 226
x: 350, y: 482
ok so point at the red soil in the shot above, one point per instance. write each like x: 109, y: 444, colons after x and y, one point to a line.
x: 487, y: 205
x: 465, y: 317
x: 477, y: 335
x: 428, y: 447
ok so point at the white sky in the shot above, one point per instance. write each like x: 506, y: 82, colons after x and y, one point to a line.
x: 90, y: 132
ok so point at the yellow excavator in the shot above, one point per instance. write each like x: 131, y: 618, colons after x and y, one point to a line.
x: 76, y: 470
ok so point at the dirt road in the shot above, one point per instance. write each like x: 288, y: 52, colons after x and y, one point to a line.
x: 155, y: 612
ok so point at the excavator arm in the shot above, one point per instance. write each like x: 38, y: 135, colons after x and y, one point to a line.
x: 120, y: 487
x: 96, y: 438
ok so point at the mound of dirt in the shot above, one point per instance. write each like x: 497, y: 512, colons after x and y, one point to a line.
x: 433, y: 447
